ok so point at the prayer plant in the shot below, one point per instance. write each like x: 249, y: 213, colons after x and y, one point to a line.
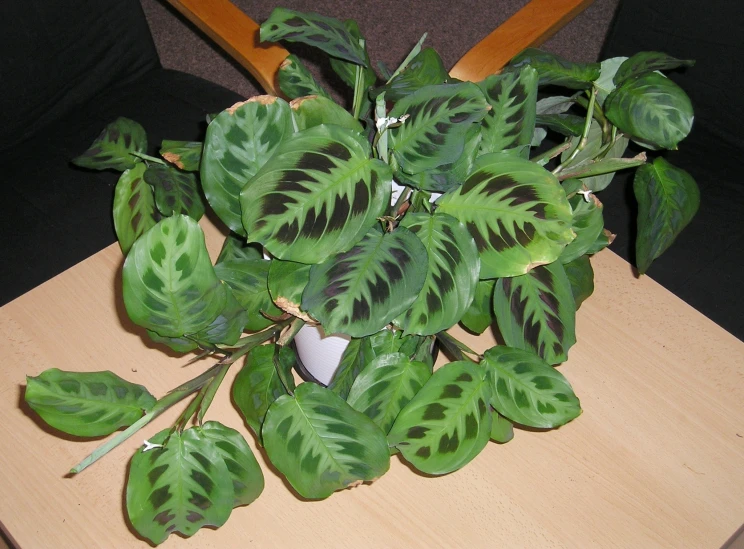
x: 488, y: 226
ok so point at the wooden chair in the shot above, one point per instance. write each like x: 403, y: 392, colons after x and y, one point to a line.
x: 237, y: 34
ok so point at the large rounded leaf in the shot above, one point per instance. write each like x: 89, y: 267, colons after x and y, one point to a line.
x: 448, y: 422
x: 516, y: 212
x: 238, y: 142
x: 176, y: 191
x: 556, y: 70
x: 360, y: 291
x: 169, y: 284
x: 317, y: 196
x: 113, y: 148
x: 86, y: 404
x: 321, y: 444
x: 527, y: 390
x: 537, y: 312
x: 451, y: 276
x: 652, y: 109
x: 386, y: 385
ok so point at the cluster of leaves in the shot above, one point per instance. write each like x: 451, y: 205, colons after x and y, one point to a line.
x: 305, y: 187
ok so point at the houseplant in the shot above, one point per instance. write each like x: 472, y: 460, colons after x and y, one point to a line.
x: 506, y: 243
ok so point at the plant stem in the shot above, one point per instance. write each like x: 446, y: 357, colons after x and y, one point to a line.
x: 358, y: 88
x: 551, y: 153
x: 209, y: 391
x: 148, y: 157
x: 456, y: 346
x: 585, y: 134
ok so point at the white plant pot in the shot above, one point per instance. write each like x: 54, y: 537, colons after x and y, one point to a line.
x: 319, y: 353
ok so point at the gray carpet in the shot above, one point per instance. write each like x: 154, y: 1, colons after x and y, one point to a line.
x: 391, y: 29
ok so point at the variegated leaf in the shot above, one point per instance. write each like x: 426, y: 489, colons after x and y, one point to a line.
x: 134, y: 207
x: 317, y: 196
x: 296, y: 81
x: 360, y: 291
x: 511, y: 121
x: 581, y: 277
x: 352, y: 362
x: 169, y: 284
x: 113, y: 147
x: 553, y: 69
x: 176, y: 192
x: 516, y: 212
x: 258, y: 384
x: 537, y: 312
x: 321, y: 444
x: 425, y: 69
x: 648, y: 61
x: 314, y: 110
x: 588, y: 223
x: 178, y: 344
x: 227, y: 328
x: 386, y: 385
x: 439, y: 119
x: 592, y: 147
x: 185, y: 155
x: 451, y: 277
x: 247, y: 279
x: 448, y: 422
x: 234, y: 247
x: 527, y: 390
x: 238, y: 142
x: 86, y: 404
x: 346, y: 70
x: 479, y: 315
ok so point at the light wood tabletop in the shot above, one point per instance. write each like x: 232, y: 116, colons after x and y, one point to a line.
x: 655, y: 460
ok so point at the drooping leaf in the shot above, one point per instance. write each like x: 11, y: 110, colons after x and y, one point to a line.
x: 581, y: 277
x: 325, y: 33
x: 425, y: 69
x: 588, y: 223
x: 553, y: 69
x: 592, y: 169
x: 321, y: 444
x: 176, y: 192
x: 86, y: 404
x: 360, y: 291
x: 439, y: 120
x: 527, y: 390
x: 310, y: 111
x: 479, y: 315
x: 317, y: 196
x: 555, y: 104
x: 238, y: 142
x: 134, y: 207
x: 537, y: 312
x: 258, y: 384
x: 502, y: 430
x: 185, y: 155
x: 448, y: 422
x: 386, y: 385
x: 112, y: 148
x: 516, y: 212
x: 652, y: 109
x: 169, y: 284
x: 668, y: 199
x: 296, y: 81
x: 248, y: 281
x: 234, y: 247
x: 564, y: 123
x: 451, y: 277
x: 511, y: 121
x: 648, y: 61
x: 346, y: 70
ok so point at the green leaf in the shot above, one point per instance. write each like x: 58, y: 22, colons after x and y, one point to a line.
x: 325, y: 33
x: 516, y: 212
x: 592, y: 169
x: 604, y: 239
x: 287, y: 281
x: 227, y: 328
x: 86, y: 404
x: 385, y: 386
x: 652, y: 109
x: 315, y: 110
x: 537, y: 312
x: 296, y: 81
x: 169, y: 284
x: 176, y: 192
x: 178, y: 344
x: 668, y: 199
x: 134, y: 207
x: 360, y: 291
x: 448, y: 422
x: 113, y: 147
x: 321, y: 444
x: 425, y: 69
x: 258, y: 384
x: 606, y: 81
x: 248, y: 281
x: 502, y: 430
x: 234, y: 247
x: 564, y: 124
x: 346, y: 70
x: 352, y: 362
x: 317, y: 196
x: 238, y: 142
x: 588, y: 223
x: 438, y: 123
x: 648, y: 61
x: 554, y: 70
x: 479, y: 315
x: 510, y: 122
x: 527, y: 390
x: 194, y: 481
x: 581, y: 277
x: 581, y: 164
x: 185, y: 155
x: 451, y: 277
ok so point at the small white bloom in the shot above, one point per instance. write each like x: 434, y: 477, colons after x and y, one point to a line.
x: 586, y: 194
x: 150, y: 445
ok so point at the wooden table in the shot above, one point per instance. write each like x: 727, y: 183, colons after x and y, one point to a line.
x: 656, y: 459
